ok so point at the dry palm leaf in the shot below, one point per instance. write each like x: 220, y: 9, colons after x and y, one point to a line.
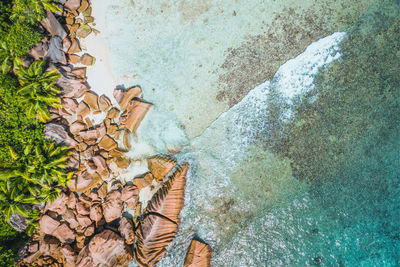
x: 159, y: 224
x: 198, y: 255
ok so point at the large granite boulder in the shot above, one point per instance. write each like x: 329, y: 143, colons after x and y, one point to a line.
x: 48, y: 225
x: 51, y: 24
x: 105, y: 249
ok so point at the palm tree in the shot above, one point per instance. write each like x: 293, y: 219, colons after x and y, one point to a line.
x: 40, y: 171
x: 38, y: 89
x: 43, y: 165
x: 32, y: 10
x: 12, y: 201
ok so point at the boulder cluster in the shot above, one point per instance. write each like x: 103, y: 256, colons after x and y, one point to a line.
x: 100, y: 220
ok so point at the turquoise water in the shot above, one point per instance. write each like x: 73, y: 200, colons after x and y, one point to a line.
x: 305, y: 169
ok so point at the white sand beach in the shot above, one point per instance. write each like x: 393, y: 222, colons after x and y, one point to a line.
x: 100, y: 77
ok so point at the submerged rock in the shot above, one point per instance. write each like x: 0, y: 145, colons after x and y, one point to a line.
x: 198, y: 255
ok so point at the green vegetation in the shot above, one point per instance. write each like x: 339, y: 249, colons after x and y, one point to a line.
x: 38, y: 89
x: 32, y: 169
x: 32, y: 11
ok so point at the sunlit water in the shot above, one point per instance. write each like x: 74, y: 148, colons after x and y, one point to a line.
x: 304, y: 170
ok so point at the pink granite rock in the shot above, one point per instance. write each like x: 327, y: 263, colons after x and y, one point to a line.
x: 112, y: 206
x: 130, y: 195
x: 64, y: 234
x: 48, y: 225
x: 126, y: 230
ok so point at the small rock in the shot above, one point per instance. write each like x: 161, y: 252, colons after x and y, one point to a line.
x: 39, y: 51
x: 58, y: 205
x: 135, y: 114
x: 59, y: 134
x: 72, y: 4
x: 107, y: 143
x: 113, y: 113
x: 102, y: 191
x: 64, y: 234
x: 83, y: 220
x: 85, y: 181
x: 82, y: 209
x: 160, y: 166
x: 112, y: 206
x: 71, y: 219
x: 89, y: 230
x: 91, y: 99
x: 140, y: 182
x: 87, y: 60
x: 122, y: 162
x: 75, y: 47
x: 83, y: 109
x: 70, y: 104
x: 80, y: 72
x: 83, y: 31
x: 96, y: 213
x: 123, y: 97
x: 77, y: 126
x: 84, y: 6
x: 130, y: 195
x: 72, y: 200
x: 74, y: 59
x: 100, y: 162
x: 104, y: 103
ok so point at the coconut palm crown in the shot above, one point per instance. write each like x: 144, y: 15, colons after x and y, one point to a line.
x: 38, y: 89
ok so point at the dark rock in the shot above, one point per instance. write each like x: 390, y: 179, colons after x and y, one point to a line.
x: 56, y: 53
x: 18, y: 222
x: 58, y: 133
x: 53, y: 26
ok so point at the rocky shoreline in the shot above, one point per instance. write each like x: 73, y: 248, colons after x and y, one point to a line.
x: 97, y: 219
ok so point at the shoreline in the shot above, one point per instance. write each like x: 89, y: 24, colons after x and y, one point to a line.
x: 112, y: 192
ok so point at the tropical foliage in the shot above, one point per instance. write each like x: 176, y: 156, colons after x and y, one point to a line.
x: 32, y: 11
x: 37, y: 88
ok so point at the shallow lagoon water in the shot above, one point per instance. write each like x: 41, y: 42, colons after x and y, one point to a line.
x: 304, y: 169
